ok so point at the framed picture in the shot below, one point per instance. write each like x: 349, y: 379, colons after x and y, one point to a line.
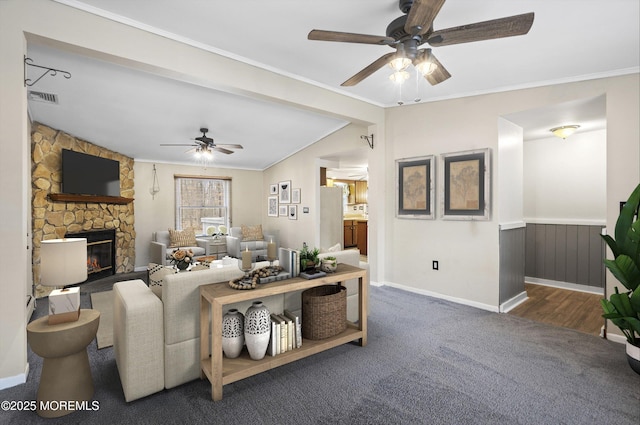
x: 283, y: 211
x: 466, y: 185
x: 415, y: 187
x: 284, y: 192
x: 273, y: 189
x: 293, y: 212
x: 295, y: 196
x: 272, y: 206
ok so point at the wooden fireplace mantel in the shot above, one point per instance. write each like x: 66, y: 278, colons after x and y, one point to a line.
x: 69, y: 197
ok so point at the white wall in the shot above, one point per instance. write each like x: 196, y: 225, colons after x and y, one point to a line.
x: 510, y: 174
x: 565, y: 180
x: 303, y: 169
x: 159, y: 213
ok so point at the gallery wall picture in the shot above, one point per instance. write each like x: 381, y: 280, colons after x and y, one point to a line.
x: 284, y: 192
x: 293, y: 212
x: 283, y: 211
x: 272, y: 206
x: 273, y: 189
x: 415, y: 180
x: 466, y: 185
x: 295, y: 196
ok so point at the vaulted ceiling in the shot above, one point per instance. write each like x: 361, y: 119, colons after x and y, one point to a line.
x: 133, y: 112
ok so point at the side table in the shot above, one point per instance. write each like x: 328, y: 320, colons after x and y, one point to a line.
x: 66, y: 374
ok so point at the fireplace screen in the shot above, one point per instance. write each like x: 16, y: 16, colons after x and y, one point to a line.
x: 98, y: 256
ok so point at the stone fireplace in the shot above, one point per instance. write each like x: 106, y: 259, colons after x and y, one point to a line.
x: 57, y: 218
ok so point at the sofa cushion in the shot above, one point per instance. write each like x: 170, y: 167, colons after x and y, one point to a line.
x: 252, y: 233
x: 182, y: 238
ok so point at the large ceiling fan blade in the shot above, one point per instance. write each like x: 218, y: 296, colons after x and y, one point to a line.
x: 347, y: 37
x: 370, y: 69
x: 440, y: 73
x: 421, y: 16
x: 221, y: 150
x: 487, y: 30
x: 229, y: 146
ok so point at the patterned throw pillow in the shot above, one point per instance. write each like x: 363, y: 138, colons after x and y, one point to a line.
x: 180, y: 238
x: 252, y: 233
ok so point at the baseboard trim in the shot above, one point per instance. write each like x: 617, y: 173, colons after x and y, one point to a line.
x: 12, y: 381
x: 463, y: 301
x: 512, y: 303
x: 620, y: 339
x: 564, y: 285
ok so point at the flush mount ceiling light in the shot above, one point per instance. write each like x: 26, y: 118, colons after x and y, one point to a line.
x: 564, y: 131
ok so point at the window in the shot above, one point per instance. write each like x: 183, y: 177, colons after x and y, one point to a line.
x: 202, y: 202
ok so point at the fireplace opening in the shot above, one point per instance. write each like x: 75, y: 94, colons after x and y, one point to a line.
x: 101, y: 252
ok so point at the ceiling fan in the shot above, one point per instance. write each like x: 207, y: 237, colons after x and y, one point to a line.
x: 206, y: 145
x: 415, y: 28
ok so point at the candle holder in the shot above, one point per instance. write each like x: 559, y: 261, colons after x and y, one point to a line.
x: 245, y: 267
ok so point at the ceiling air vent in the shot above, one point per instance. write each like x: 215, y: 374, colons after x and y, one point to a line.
x: 39, y: 96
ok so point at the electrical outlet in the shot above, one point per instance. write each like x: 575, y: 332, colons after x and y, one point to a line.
x: 435, y: 264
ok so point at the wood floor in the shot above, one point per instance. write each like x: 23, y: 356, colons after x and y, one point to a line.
x: 561, y: 307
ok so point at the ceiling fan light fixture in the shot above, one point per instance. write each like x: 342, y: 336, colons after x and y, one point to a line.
x: 426, y: 67
x: 399, y: 77
x: 564, y: 131
x: 400, y: 61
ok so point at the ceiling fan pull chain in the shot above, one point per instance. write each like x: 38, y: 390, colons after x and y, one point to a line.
x: 418, y: 75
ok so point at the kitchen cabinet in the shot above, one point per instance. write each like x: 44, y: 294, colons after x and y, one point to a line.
x: 363, y: 227
x: 350, y: 233
x: 361, y: 188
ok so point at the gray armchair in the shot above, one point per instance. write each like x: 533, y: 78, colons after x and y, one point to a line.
x: 159, y: 250
x: 235, y: 244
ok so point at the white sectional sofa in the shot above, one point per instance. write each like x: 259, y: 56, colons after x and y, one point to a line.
x: 157, y: 341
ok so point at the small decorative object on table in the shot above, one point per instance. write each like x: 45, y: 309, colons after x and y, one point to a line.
x: 257, y: 329
x: 308, y: 257
x: 329, y: 264
x: 246, y: 265
x: 182, y: 258
x: 261, y: 275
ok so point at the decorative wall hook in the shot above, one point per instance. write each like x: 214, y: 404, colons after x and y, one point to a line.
x: 54, y: 72
x: 155, y: 187
x: 369, y: 140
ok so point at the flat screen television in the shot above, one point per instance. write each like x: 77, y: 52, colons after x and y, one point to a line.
x: 84, y: 174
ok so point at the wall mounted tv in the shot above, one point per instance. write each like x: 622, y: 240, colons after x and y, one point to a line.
x: 84, y: 174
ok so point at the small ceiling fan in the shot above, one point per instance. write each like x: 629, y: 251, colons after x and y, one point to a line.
x: 414, y: 28
x: 204, y: 144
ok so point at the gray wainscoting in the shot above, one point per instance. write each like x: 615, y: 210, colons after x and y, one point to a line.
x: 512, y: 261
x: 565, y: 253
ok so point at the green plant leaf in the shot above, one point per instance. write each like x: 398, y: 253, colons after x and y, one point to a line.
x: 625, y: 270
x: 622, y: 304
x: 627, y: 215
x: 612, y: 245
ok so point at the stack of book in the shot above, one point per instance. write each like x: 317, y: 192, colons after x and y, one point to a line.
x: 289, y: 260
x: 286, y: 333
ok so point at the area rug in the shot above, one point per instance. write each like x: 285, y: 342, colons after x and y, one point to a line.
x: 103, y: 302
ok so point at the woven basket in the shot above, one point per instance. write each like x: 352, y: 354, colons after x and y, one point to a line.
x: 324, y: 311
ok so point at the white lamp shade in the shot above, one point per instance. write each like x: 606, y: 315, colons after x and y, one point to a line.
x: 63, y: 261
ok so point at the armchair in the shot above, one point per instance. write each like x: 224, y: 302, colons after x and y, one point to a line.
x: 159, y: 249
x: 256, y: 243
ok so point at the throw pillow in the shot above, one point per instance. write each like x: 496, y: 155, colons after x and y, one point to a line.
x: 252, y: 233
x: 181, y: 238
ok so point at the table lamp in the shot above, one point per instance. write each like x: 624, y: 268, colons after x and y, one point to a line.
x: 63, y: 262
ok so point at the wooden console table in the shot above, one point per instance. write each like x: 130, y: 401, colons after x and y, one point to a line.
x: 221, y: 370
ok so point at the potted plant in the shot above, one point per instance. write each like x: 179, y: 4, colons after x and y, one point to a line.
x: 329, y: 264
x: 623, y: 309
x: 308, y: 257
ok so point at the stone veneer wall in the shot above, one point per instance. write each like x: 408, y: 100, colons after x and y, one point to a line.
x: 53, y: 220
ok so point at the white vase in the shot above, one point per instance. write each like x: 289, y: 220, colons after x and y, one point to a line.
x: 257, y: 330
x: 232, y: 333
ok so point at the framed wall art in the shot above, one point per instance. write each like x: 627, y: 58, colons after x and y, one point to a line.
x: 415, y: 179
x: 272, y: 206
x: 295, y: 196
x: 466, y: 185
x: 273, y: 189
x: 284, y: 192
x: 293, y: 212
x: 283, y: 211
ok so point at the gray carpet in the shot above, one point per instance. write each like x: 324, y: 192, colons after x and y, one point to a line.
x: 428, y: 361
x: 103, y: 302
